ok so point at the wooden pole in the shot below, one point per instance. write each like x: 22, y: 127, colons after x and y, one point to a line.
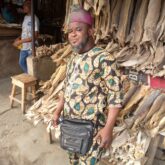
x: 33, y: 28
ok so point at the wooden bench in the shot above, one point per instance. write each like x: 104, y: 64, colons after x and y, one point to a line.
x: 25, y: 82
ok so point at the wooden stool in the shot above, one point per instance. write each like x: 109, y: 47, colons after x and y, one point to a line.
x: 24, y: 81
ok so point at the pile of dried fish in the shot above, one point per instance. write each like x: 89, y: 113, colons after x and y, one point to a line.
x: 136, y: 26
x: 50, y: 50
x: 141, y: 120
x: 62, y: 55
x: 44, y: 50
x: 43, y: 109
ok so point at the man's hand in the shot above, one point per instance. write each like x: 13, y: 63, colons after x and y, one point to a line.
x: 56, y: 119
x: 58, y: 110
x: 17, y: 42
x: 104, y: 137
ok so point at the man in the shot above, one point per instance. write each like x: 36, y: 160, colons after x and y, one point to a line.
x: 92, y: 86
x: 25, y: 41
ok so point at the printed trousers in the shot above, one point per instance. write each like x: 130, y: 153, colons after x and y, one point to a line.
x: 91, y: 158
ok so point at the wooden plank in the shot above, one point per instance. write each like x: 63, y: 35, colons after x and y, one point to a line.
x: 14, y: 99
x: 12, y: 95
x: 24, y: 78
x: 23, y: 100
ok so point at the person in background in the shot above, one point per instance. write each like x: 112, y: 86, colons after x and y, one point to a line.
x: 25, y: 41
x: 92, y: 86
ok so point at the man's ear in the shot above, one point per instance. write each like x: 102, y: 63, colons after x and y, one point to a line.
x: 91, y: 32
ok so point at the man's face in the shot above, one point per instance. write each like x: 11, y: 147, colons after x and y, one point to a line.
x: 26, y: 8
x: 78, y: 36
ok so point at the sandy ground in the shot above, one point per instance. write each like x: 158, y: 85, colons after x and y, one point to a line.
x: 20, y: 142
x: 12, y: 125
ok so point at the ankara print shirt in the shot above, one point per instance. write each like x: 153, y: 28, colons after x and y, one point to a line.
x: 92, y: 85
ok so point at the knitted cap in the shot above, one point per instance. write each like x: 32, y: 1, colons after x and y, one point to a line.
x: 78, y: 14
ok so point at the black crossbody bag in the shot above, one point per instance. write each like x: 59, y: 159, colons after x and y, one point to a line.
x: 77, y: 135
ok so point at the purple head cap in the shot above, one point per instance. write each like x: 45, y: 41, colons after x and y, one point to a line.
x: 78, y: 14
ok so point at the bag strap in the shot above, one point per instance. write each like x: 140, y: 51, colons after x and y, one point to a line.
x: 96, y: 124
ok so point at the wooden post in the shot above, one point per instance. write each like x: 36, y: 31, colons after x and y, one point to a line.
x: 33, y: 28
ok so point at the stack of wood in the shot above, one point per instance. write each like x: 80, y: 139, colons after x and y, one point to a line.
x: 134, y: 32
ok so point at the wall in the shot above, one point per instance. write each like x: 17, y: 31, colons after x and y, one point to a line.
x: 9, y: 57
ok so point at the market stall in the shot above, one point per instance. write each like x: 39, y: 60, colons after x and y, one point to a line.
x: 134, y: 32
x: 11, y: 17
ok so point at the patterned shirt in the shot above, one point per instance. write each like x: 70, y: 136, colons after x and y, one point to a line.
x: 92, y: 85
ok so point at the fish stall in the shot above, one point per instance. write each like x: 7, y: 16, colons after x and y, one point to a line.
x: 134, y: 33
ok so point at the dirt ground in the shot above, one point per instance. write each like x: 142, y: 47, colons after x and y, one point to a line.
x: 11, y: 125
x: 20, y: 142
x: 9, y: 58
